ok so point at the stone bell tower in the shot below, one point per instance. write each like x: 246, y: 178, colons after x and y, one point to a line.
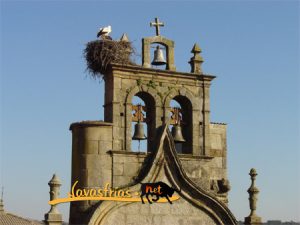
x: 192, y: 158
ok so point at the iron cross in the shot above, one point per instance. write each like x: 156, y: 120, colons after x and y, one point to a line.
x: 157, y: 24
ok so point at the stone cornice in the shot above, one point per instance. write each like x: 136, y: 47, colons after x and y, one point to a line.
x: 144, y: 154
x: 90, y: 123
x: 162, y: 73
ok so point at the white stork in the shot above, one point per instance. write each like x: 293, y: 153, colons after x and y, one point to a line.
x: 103, y: 32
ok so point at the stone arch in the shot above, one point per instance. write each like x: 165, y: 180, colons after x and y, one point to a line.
x: 143, y: 88
x: 187, y: 102
x: 122, y: 213
x: 181, y: 92
x: 153, y: 102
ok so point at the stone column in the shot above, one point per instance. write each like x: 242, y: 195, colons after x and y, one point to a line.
x: 253, y: 191
x: 206, y: 118
x: 53, y: 217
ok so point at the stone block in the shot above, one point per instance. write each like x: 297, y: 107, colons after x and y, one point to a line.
x: 160, y: 208
x: 116, y: 220
x: 172, y: 220
x: 98, y: 133
x: 145, y: 209
x: 180, y: 208
x: 133, y: 209
x: 121, y: 180
x: 156, y: 219
x: 106, y: 176
x: 138, y: 220
x: 90, y: 147
x: 131, y: 159
x: 104, y: 146
x: 217, y: 153
x: 217, y: 173
x: 53, y: 218
x: 217, y: 162
x: 119, y: 158
x: 92, y: 162
x: 117, y: 82
x: 216, y: 141
x: 224, y: 162
x: 116, y: 131
x: 117, y: 144
x: 117, y: 96
x: 126, y: 83
x: 131, y: 169
x: 94, y: 179
x: 118, y: 169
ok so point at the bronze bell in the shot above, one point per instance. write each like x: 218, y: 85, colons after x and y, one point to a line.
x: 158, y: 57
x: 177, y: 134
x: 139, y: 132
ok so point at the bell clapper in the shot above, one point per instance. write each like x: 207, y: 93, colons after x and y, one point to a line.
x: 139, y: 145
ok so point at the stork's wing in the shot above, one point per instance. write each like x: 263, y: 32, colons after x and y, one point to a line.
x: 104, y: 30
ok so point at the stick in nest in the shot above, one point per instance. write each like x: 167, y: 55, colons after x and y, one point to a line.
x: 100, y: 53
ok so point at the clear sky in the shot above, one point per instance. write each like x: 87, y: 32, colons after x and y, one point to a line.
x: 251, y: 46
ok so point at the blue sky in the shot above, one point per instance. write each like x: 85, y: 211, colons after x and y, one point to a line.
x: 251, y: 46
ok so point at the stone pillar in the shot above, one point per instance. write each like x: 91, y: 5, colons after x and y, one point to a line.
x: 253, y: 191
x: 206, y: 118
x: 53, y: 217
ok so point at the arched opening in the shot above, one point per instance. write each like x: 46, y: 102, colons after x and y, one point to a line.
x: 143, y: 112
x: 181, y: 116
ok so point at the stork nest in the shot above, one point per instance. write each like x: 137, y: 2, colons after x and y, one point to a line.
x: 100, y: 53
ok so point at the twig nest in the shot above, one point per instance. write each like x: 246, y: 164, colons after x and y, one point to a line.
x: 100, y: 53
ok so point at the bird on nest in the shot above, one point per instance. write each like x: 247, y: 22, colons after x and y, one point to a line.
x: 103, y: 33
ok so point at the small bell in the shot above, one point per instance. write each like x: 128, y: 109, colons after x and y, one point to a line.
x: 139, y: 132
x: 177, y: 134
x: 158, y: 57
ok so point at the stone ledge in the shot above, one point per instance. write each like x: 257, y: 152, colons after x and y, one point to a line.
x: 144, y: 154
x: 216, y: 123
x: 117, y: 152
x: 150, y: 71
x: 194, y: 157
x: 90, y: 123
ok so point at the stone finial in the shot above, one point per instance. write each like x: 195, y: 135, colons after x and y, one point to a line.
x: 253, y: 191
x: 196, y: 60
x: 1, y: 202
x: 124, y: 38
x: 53, y: 217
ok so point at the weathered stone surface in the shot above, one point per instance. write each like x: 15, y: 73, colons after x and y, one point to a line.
x: 91, y: 147
x: 136, y: 219
x: 121, y: 180
x: 160, y: 209
x: 133, y: 209
x: 118, y: 169
x: 179, y: 213
x: 131, y: 169
x: 117, y: 220
x: 101, y: 152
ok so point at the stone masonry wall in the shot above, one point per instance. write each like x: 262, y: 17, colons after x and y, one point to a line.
x: 162, y: 86
x: 202, y: 170
x: 91, y: 165
x: 179, y: 213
